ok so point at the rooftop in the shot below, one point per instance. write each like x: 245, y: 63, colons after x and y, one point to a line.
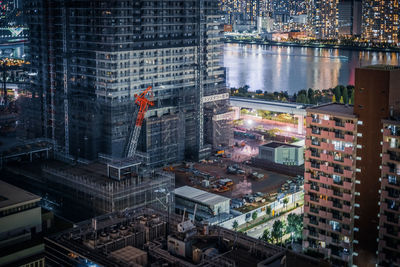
x: 334, y: 109
x: 382, y: 67
x: 279, y: 144
x: 12, y: 196
x: 200, y: 196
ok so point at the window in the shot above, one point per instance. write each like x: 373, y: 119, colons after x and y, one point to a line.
x: 336, y: 178
x: 392, y: 179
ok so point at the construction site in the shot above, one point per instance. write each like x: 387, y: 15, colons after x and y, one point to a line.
x: 147, y: 237
x: 96, y: 188
x: 83, y: 97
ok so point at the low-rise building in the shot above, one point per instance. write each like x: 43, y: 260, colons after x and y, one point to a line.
x: 282, y: 153
x: 210, y: 207
x: 20, y: 227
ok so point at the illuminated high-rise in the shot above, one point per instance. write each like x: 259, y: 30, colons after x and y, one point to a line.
x: 324, y: 18
x: 381, y: 21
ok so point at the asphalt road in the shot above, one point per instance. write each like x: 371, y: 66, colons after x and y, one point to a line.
x: 257, y: 231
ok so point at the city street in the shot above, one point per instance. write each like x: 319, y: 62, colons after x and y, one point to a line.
x: 257, y: 231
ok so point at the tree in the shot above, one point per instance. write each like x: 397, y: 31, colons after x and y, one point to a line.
x: 341, y: 100
x: 338, y: 92
x: 345, y: 95
x: 244, y: 89
x: 266, y: 236
x: 294, y: 226
x: 254, y: 215
x: 352, y: 96
x: 278, y: 230
x: 244, y: 111
x: 235, y: 225
x: 269, y: 210
x: 334, y: 99
x: 285, y: 202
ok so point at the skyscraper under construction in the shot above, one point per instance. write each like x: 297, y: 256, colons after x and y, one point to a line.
x: 91, y: 57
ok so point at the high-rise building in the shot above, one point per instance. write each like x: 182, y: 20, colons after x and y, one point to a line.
x: 349, y: 17
x: 377, y: 91
x: 330, y: 182
x: 351, y: 168
x: 389, y: 221
x: 381, y: 21
x: 323, y: 18
x: 91, y: 58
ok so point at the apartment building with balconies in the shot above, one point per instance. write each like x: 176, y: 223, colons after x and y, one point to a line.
x: 389, y: 214
x: 330, y: 158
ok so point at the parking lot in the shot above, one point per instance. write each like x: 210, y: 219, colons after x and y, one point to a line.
x: 242, y: 184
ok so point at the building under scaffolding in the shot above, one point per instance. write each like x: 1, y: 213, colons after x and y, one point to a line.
x: 152, y: 238
x: 89, y: 185
x: 91, y: 57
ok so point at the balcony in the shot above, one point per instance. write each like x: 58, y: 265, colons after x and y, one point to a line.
x: 346, y: 208
x: 340, y: 124
x: 325, y: 180
x: 325, y: 134
x: 338, y: 171
x: 348, y: 162
x: 349, y: 138
x: 339, y: 136
x: 349, y: 127
x: 327, y: 146
x: 348, y: 174
x: 347, y: 197
x: 346, y: 220
x: 307, y: 165
x: 316, y: 166
x: 394, y: 183
x: 349, y: 150
x: 315, y: 155
x: 314, y: 199
x: 326, y: 203
x: 326, y: 169
x: 394, y: 157
x: 337, y: 205
x: 328, y: 123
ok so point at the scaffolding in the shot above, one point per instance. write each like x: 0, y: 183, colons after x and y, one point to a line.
x: 83, y: 94
x: 89, y: 186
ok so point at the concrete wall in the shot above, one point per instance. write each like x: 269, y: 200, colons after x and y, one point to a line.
x: 283, y: 155
x: 289, y: 155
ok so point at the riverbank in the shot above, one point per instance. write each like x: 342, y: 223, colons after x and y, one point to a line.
x: 329, y: 46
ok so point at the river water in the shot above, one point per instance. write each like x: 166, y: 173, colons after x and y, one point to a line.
x: 278, y: 68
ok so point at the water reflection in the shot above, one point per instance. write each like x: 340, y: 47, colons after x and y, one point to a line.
x: 274, y: 68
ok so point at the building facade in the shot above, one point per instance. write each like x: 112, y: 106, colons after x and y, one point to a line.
x: 91, y: 58
x: 350, y: 17
x: 282, y: 153
x: 370, y: 171
x: 381, y: 21
x: 377, y: 95
x: 210, y: 207
x: 329, y: 182
x: 324, y: 18
x: 389, y: 213
x: 20, y: 227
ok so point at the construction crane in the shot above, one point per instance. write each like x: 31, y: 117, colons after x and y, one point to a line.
x: 134, y: 133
